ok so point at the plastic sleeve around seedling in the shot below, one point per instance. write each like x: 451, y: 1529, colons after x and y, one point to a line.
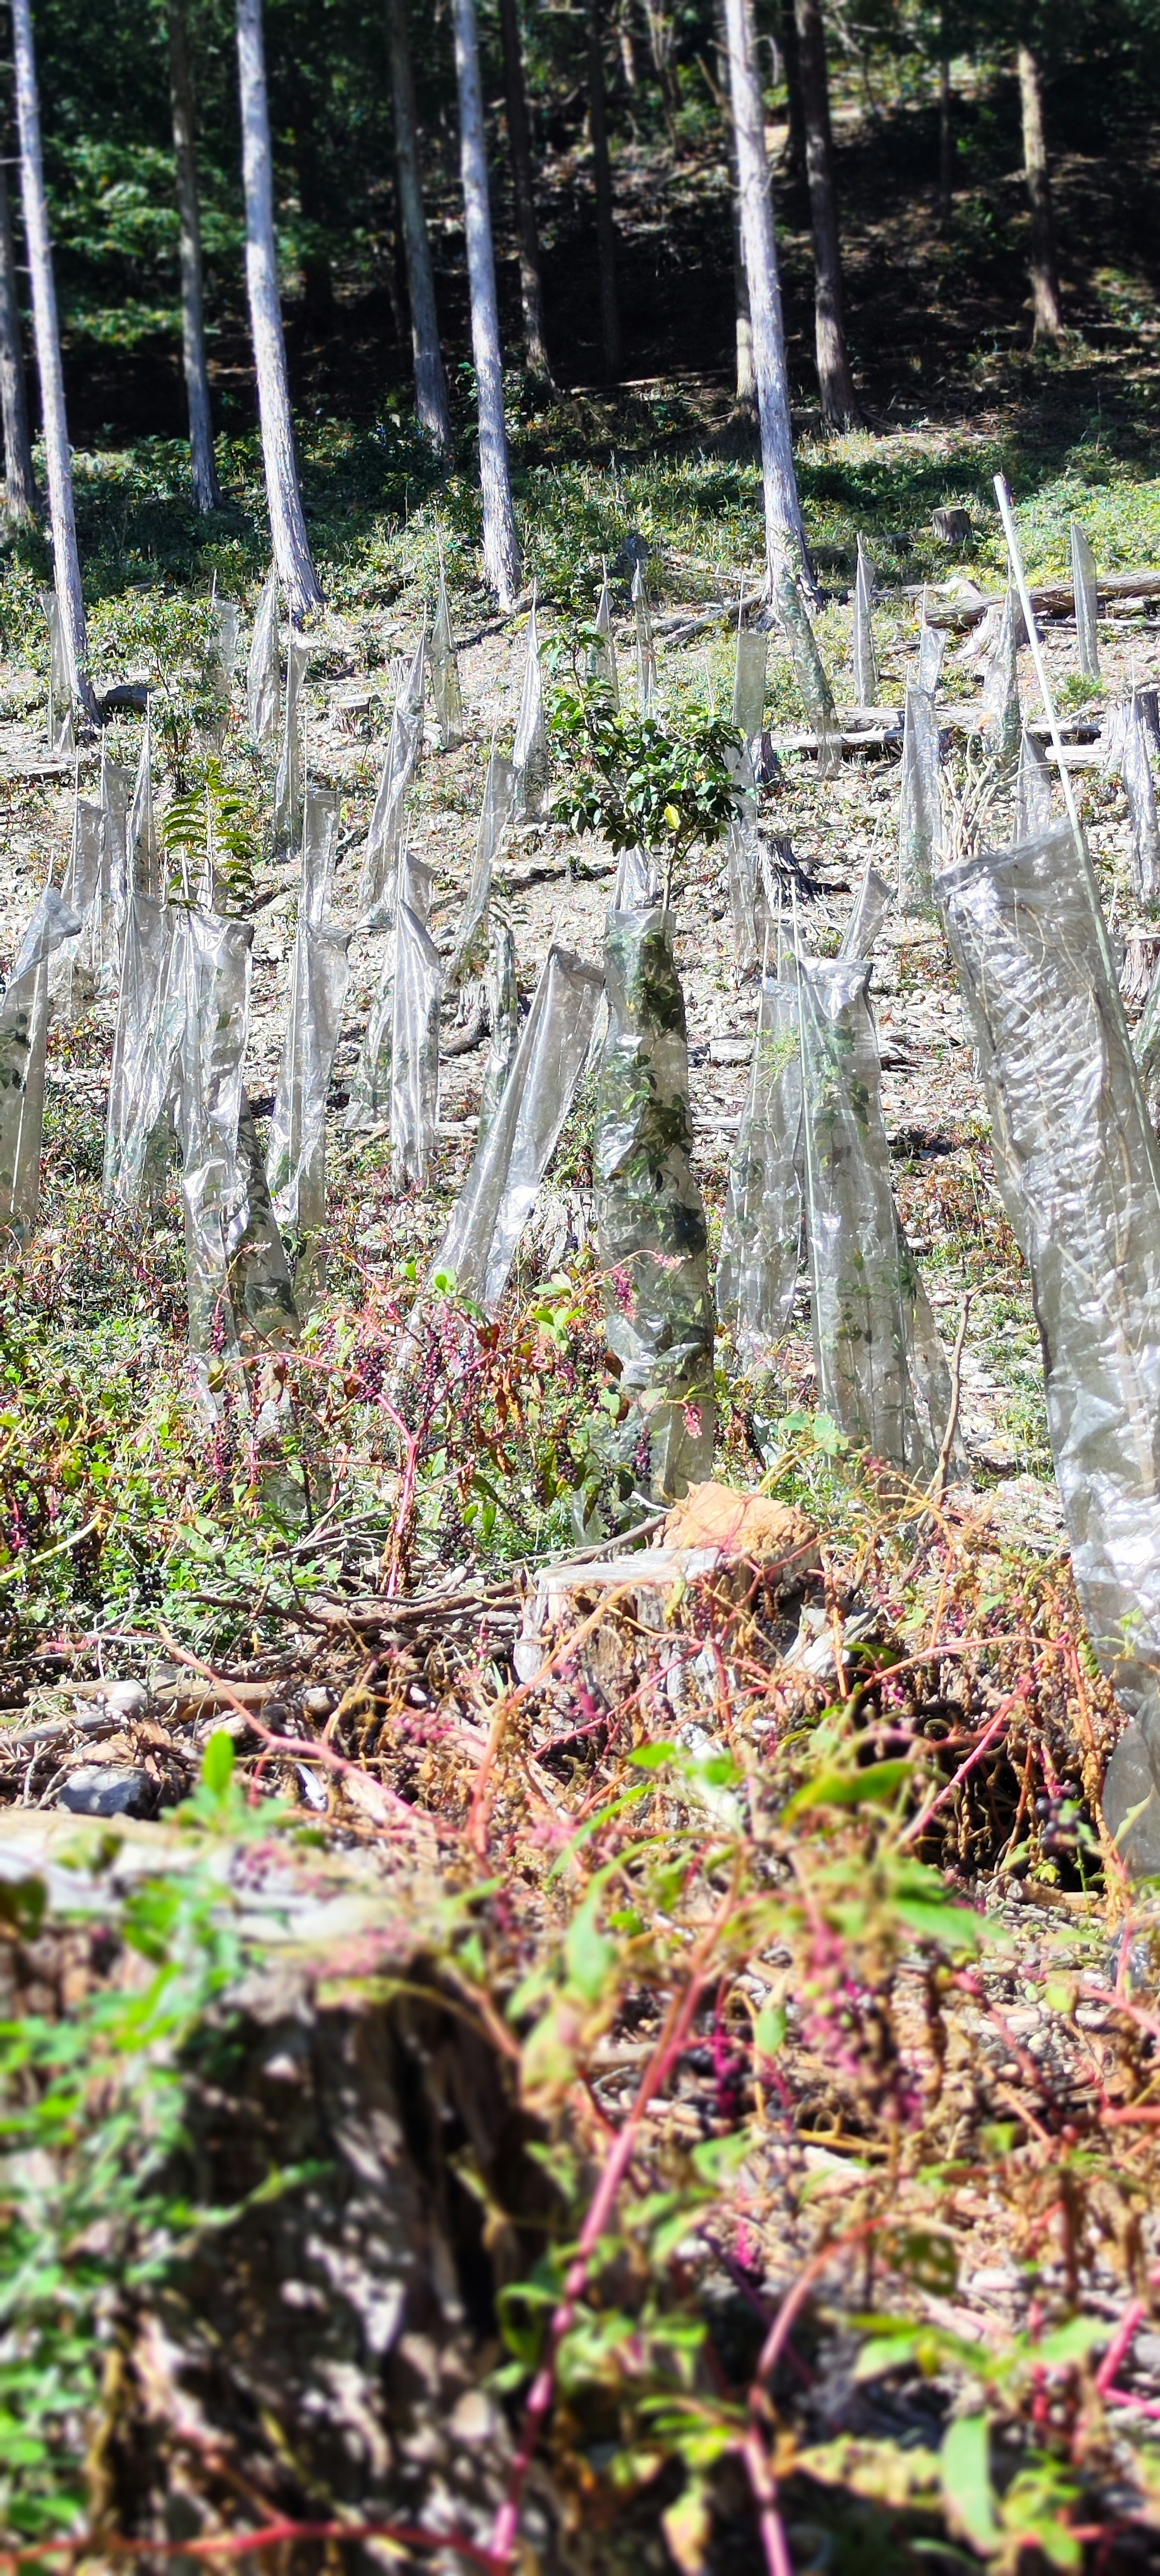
x: 210, y: 970
x: 510, y: 1161
x: 809, y: 672
x: 61, y: 731
x: 369, y: 1102
x: 258, y: 1272
x: 264, y: 668
x: 1027, y: 941
x: 319, y: 835
x: 1000, y: 714
x: 880, y: 1368
x: 646, y: 656
x: 762, y: 1226
x: 749, y: 671
x: 932, y: 644
x: 296, y: 1156
x: 651, y: 1232
x: 72, y: 981
x: 872, y: 904
x: 530, y: 749
x: 865, y: 660
x: 445, y: 688
x: 1127, y: 753
x: 1083, y: 576
x: 376, y: 893
x: 140, y: 1080
x: 635, y: 882
x: 494, y: 823
x: 503, y: 1011
x: 920, y: 812
x: 414, y: 1050
x: 24, y: 1018
x: 602, y: 668
x: 290, y: 782
x: 142, y: 836
x: 227, y: 626
x: 1032, y: 789
x: 1146, y: 1048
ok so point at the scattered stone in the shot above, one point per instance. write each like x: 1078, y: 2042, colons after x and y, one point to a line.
x: 107, y: 1789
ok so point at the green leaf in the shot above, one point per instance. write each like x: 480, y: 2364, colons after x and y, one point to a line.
x: 875, y: 1786
x: 217, y: 1763
x: 965, y: 2463
x: 590, y: 1959
x: 769, y: 2030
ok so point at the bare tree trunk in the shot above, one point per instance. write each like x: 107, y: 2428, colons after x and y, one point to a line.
x: 1044, y: 269
x: 626, y: 39
x: 785, y: 536
x: 946, y: 138
x: 21, y: 500
x: 520, y: 148
x: 840, y: 406
x: 743, y: 322
x: 602, y: 182
x: 793, y: 95
x: 430, y: 380
x: 207, y: 491
x: 66, y: 560
x: 501, y: 546
x: 284, y: 499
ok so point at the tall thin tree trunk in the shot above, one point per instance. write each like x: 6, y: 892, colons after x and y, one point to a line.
x: 840, y: 407
x: 793, y: 95
x: 743, y: 322
x: 284, y: 499
x: 1044, y: 269
x: 785, y: 536
x: 602, y: 182
x: 946, y: 136
x: 430, y: 380
x: 20, y: 494
x: 501, y: 546
x: 66, y: 560
x: 205, y: 483
x: 520, y: 148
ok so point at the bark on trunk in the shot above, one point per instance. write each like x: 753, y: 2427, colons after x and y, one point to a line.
x: 520, y: 148
x: 785, y: 536
x: 430, y: 380
x: 840, y: 406
x: 287, y: 522
x: 21, y: 500
x: 602, y: 182
x: 207, y: 491
x: 66, y: 560
x: 743, y: 323
x: 1044, y: 270
x: 501, y: 549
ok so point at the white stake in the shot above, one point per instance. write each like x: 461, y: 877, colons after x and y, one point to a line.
x: 1007, y: 515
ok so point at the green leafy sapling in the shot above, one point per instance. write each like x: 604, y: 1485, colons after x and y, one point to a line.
x: 641, y: 782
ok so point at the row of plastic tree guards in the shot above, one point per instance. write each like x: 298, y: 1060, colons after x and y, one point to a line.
x: 1074, y: 1146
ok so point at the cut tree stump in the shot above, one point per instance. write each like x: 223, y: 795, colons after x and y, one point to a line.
x: 323, y: 2355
